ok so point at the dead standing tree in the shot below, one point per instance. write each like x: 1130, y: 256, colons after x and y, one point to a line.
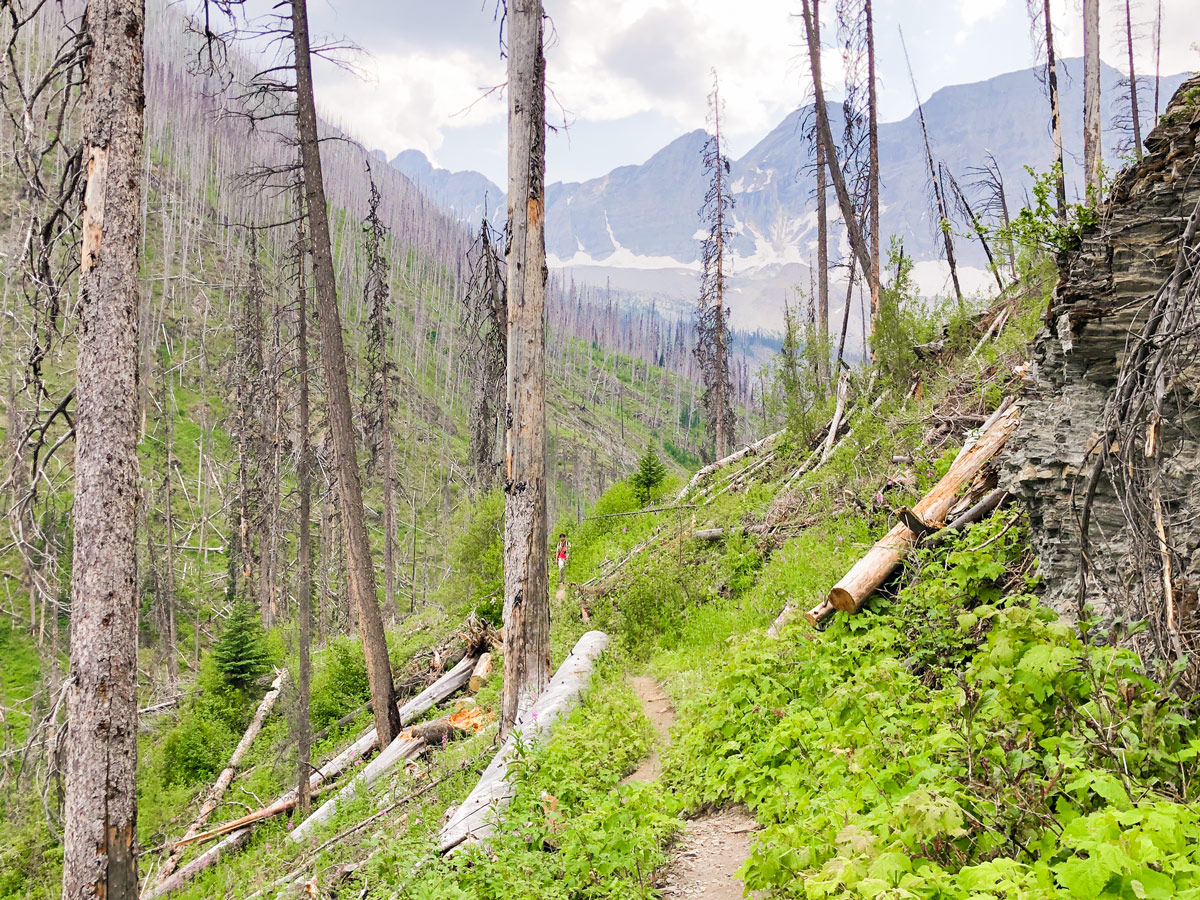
x: 939, y: 201
x: 268, y: 97
x: 860, y: 136
x: 249, y: 419
x: 712, y: 327
x: 1092, y: 153
x: 485, y: 316
x: 359, y: 570
x: 380, y: 402
x: 855, y: 232
x: 526, y: 577
x: 1042, y: 27
x: 100, y: 814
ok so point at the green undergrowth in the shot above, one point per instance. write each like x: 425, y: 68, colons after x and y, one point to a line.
x: 955, y: 741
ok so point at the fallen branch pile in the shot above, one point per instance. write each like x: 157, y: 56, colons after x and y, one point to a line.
x: 237, y: 831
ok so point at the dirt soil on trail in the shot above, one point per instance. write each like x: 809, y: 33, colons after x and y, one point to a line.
x: 709, y: 854
x: 658, y: 709
x: 713, y: 847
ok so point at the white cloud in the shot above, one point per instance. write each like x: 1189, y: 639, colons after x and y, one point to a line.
x: 975, y: 11
x: 409, y: 100
x: 614, y: 61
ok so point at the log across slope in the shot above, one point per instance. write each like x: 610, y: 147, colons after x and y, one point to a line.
x: 474, y: 820
x: 869, y: 572
x: 217, y: 792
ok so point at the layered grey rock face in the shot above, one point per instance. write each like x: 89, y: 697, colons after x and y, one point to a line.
x: 1099, y: 307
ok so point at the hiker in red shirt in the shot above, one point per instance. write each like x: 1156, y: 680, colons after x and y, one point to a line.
x: 564, y: 550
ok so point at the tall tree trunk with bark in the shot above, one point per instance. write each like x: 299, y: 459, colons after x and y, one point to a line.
x: 822, y: 238
x: 712, y: 331
x: 359, y: 572
x: 304, y: 561
x: 1134, y: 112
x: 100, y: 814
x: 526, y: 579
x: 1092, y: 152
x: 873, y: 160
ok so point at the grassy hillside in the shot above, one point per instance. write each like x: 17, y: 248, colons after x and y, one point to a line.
x: 952, y: 740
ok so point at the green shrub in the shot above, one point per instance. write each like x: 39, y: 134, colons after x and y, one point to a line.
x: 196, y: 748
x: 477, y: 556
x: 339, y: 682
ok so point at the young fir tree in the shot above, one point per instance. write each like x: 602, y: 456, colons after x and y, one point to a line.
x: 712, y: 328
x: 241, y: 652
x: 649, y: 475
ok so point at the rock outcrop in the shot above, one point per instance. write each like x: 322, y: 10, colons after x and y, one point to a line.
x: 1099, y: 310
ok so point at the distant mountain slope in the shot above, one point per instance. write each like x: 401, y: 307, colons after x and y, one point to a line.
x: 637, y: 225
x: 465, y: 194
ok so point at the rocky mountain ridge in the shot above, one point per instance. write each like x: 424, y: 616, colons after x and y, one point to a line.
x: 636, y: 225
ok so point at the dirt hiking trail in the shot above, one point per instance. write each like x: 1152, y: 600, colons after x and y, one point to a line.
x: 713, y: 847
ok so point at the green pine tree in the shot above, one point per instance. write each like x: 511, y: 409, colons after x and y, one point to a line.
x: 649, y: 475
x: 241, y: 653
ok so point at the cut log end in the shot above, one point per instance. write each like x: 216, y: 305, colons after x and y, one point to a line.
x: 481, y: 673
x: 842, y: 600
x: 820, y: 613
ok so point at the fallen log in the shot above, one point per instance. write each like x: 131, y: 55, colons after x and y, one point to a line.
x: 474, y: 820
x: 226, y: 777
x: 712, y: 492
x: 292, y: 876
x: 980, y: 510
x: 704, y: 472
x: 435, y: 693
x: 843, y: 391
x: 869, y: 572
x: 481, y: 673
x: 235, y: 841
x: 406, y: 746
x: 166, y: 704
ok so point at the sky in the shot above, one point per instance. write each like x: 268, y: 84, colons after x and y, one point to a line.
x: 625, y: 77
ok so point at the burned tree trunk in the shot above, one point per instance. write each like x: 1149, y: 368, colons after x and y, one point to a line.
x: 1043, y: 28
x: 1091, y: 98
x: 822, y: 235
x: 712, y: 330
x: 379, y: 400
x: 100, y: 815
x: 304, y: 558
x: 1134, y: 112
x: 854, y: 231
x: 485, y: 316
x: 359, y: 572
x: 873, y: 161
x: 940, y: 207
x: 526, y: 579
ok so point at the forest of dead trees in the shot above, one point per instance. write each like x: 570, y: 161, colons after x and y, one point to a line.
x: 188, y: 430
